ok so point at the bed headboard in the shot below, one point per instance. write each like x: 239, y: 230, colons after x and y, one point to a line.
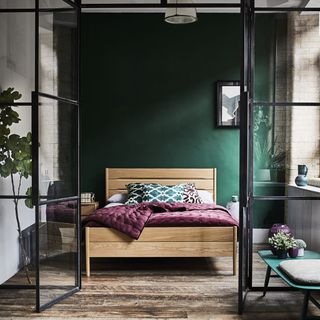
x: 118, y: 178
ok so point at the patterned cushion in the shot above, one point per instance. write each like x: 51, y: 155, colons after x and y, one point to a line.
x: 158, y: 193
x: 190, y: 194
x: 135, y: 193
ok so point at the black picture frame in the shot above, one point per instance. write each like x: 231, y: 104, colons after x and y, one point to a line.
x: 224, y: 117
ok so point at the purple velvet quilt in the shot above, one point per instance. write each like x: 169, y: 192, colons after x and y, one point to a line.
x: 131, y: 219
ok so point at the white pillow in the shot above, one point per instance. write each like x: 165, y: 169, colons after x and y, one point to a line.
x: 118, y: 197
x: 205, y: 196
x: 114, y: 204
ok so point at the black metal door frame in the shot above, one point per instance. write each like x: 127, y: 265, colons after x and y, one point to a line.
x: 248, y: 11
x: 34, y: 103
x: 248, y: 103
x: 36, y: 198
x: 245, y: 187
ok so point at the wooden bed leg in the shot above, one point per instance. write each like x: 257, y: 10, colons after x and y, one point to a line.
x: 87, y: 235
x: 235, y: 238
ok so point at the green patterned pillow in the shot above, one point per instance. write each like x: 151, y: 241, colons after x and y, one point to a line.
x: 159, y: 193
x: 135, y: 193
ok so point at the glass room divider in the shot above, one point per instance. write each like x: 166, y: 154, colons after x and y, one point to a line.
x: 39, y: 176
x: 280, y: 122
x: 40, y: 193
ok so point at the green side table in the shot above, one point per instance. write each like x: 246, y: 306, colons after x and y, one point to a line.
x: 273, y: 262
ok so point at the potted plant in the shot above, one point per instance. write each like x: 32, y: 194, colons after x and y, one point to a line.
x: 15, y: 161
x: 294, y: 251
x: 269, y: 158
x: 269, y: 161
x: 301, y: 245
x: 275, y: 229
x: 282, y: 242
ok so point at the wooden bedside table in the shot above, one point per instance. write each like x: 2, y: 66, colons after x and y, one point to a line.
x: 88, y: 208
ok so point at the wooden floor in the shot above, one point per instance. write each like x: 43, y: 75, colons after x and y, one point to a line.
x: 159, y: 289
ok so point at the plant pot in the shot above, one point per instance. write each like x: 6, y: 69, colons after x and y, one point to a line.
x: 281, y: 175
x: 273, y: 250
x: 293, y: 252
x: 277, y: 175
x: 263, y: 175
x: 300, y: 252
x: 282, y: 254
x: 277, y: 227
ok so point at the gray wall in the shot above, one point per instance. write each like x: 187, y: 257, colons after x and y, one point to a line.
x: 17, y: 70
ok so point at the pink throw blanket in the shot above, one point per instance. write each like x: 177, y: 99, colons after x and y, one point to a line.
x: 131, y: 219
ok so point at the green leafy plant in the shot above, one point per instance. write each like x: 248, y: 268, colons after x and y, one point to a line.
x: 282, y: 241
x: 301, y: 244
x: 15, y: 159
x: 266, y: 156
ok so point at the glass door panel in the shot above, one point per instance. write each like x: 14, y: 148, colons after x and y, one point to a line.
x: 58, y: 152
x: 58, y: 50
x: 301, y: 215
x: 285, y: 137
x: 245, y: 152
x: 57, y: 138
x: 58, y: 207
x: 280, y: 4
x: 20, y: 254
x: 57, y: 250
x: 16, y: 148
x: 17, y: 4
x: 287, y: 47
x: 285, y: 120
x: 17, y: 52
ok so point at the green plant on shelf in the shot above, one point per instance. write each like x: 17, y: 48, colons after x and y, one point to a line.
x: 15, y: 160
x: 267, y: 157
x: 267, y: 151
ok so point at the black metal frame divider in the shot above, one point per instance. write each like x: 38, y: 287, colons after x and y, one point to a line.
x: 275, y: 104
x: 246, y: 163
x: 38, y: 200
x: 247, y: 103
x: 247, y: 9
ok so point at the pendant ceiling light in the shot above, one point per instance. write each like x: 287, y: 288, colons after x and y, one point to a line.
x: 180, y: 15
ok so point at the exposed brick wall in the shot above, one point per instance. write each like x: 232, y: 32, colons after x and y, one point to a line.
x: 49, y: 136
x: 298, y: 79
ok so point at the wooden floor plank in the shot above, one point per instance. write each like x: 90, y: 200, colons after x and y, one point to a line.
x: 133, y: 289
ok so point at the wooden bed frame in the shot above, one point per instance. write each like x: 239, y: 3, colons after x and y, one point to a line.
x: 161, y: 241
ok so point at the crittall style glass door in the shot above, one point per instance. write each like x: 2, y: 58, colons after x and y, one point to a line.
x: 280, y: 126
x: 55, y: 121
x: 39, y: 148
x: 247, y: 18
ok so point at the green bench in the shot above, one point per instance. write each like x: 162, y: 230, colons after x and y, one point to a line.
x: 273, y: 262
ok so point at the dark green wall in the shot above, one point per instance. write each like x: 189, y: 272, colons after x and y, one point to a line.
x: 148, y: 97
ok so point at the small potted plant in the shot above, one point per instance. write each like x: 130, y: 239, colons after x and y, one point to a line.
x: 301, y: 245
x: 294, y: 251
x: 282, y: 242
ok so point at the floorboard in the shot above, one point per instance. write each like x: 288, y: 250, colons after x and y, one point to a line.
x: 157, y: 289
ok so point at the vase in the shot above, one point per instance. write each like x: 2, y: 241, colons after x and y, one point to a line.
x: 293, y: 252
x: 277, y: 227
x: 302, y: 180
x: 301, y: 252
x: 233, y: 207
x: 282, y: 254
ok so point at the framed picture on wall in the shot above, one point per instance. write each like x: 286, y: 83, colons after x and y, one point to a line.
x: 228, y: 103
